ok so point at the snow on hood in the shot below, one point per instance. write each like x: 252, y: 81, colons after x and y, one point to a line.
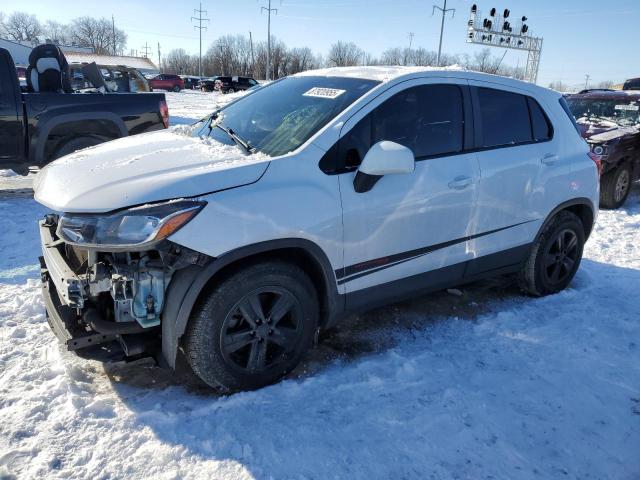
x: 604, y: 130
x: 144, y: 168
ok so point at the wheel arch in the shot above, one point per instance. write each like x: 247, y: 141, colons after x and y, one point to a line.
x: 582, y: 207
x: 189, y: 284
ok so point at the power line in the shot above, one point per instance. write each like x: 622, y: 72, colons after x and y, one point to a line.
x: 146, y: 49
x: 444, y: 11
x: 200, y: 19
x: 269, y: 10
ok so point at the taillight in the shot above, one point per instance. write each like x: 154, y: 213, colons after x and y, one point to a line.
x: 597, y: 160
x: 164, y: 113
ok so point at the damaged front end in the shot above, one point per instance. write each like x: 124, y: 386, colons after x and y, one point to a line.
x: 105, y: 302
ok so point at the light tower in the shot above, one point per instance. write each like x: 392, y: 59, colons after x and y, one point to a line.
x: 496, y: 30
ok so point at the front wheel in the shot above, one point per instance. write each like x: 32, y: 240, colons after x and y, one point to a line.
x: 615, y: 187
x: 176, y: 88
x: 253, y: 328
x: 555, y: 256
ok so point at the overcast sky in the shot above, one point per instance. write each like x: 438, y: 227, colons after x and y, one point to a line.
x: 595, y: 37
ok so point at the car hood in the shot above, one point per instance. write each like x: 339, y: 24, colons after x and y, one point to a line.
x: 600, y: 132
x: 144, y: 168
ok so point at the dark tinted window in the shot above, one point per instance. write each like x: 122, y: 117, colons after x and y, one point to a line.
x: 539, y: 122
x: 505, y: 118
x: 633, y: 84
x: 427, y: 119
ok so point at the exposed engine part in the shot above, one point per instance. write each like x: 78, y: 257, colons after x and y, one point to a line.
x: 100, y: 325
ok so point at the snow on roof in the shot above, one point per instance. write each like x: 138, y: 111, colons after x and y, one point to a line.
x: 379, y: 73
x: 140, y: 63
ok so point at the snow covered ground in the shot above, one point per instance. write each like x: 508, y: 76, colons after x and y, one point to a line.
x: 489, y: 384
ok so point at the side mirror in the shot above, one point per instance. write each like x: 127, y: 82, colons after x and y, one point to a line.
x: 383, y: 158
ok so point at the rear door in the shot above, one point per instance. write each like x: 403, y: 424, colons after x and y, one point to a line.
x: 11, y: 119
x: 414, y: 223
x: 518, y: 164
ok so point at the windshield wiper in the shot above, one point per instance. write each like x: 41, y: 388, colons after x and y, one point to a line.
x: 236, y: 138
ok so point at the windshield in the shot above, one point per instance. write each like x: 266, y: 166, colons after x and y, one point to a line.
x: 621, y: 111
x: 280, y: 117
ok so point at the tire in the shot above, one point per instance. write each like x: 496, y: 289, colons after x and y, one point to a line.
x: 231, y: 90
x: 75, y: 144
x: 228, y: 345
x: 555, y: 256
x: 615, y: 186
x: 176, y: 88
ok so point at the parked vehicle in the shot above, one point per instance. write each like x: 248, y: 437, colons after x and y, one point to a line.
x: 191, y: 82
x: 208, y: 84
x: 119, y: 79
x: 48, y: 123
x: 610, y: 122
x: 234, y: 84
x: 632, y: 84
x: 323, y: 193
x: 166, y: 81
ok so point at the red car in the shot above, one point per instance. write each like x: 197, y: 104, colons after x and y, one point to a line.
x: 166, y: 81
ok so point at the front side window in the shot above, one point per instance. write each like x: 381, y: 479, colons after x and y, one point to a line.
x: 428, y: 119
x: 280, y: 117
x: 505, y: 118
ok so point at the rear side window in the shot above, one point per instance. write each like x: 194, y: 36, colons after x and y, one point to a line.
x: 505, y: 118
x: 540, y: 124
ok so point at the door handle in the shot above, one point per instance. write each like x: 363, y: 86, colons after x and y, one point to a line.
x: 549, y: 159
x: 460, y: 183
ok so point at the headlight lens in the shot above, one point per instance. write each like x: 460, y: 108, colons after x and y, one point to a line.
x: 598, y: 150
x: 133, y: 227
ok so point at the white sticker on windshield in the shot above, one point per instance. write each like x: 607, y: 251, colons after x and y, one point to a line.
x: 324, y: 92
x: 633, y: 108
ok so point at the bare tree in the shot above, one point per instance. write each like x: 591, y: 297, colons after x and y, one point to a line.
x: 98, y: 34
x: 57, y: 32
x: 22, y: 27
x: 178, y: 61
x: 343, y: 54
x: 559, y: 86
x: 606, y: 84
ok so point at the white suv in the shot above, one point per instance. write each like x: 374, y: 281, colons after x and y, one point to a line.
x: 333, y: 191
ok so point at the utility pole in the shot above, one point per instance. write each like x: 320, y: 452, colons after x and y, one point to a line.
x: 411, y: 35
x: 444, y: 11
x: 159, y: 64
x: 586, y: 81
x: 146, y: 49
x: 113, y: 29
x: 253, y: 61
x: 200, y: 19
x: 269, y: 10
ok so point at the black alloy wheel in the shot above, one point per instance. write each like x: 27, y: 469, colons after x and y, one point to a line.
x: 560, y: 257
x: 262, y: 329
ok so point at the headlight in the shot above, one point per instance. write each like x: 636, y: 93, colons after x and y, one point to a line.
x: 133, y: 227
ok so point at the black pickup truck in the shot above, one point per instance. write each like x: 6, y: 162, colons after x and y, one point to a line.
x: 36, y: 128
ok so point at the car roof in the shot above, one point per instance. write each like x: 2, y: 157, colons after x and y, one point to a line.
x: 385, y: 74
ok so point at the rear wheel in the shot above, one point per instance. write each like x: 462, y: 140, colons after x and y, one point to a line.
x: 615, y: 186
x: 253, y: 328
x: 555, y: 256
x: 75, y: 144
x: 176, y: 88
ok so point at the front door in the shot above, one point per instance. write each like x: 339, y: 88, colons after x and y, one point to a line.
x: 409, y: 224
x: 11, y: 131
